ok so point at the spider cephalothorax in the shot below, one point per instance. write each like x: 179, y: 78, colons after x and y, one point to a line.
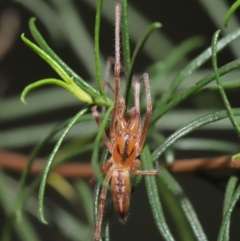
x: 127, y: 138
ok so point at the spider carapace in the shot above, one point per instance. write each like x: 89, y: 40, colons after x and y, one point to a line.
x: 127, y: 137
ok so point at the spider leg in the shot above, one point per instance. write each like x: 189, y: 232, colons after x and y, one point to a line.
x: 102, y: 200
x: 106, y: 83
x: 106, y: 165
x: 104, y: 170
x: 136, y: 164
x: 136, y: 86
x: 104, y: 135
x: 135, y: 117
x: 148, y: 112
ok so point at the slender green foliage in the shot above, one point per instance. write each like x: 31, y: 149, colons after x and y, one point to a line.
x: 154, y: 198
x: 192, y: 126
x: 205, y: 144
x: 77, y: 83
x: 231, y: 85
x: 231, y: 187
x: 153, y: 27
x: 49, y: 163
x: 231, y: 11
x: 194, y: 89
x: 96, y: 47
x: 35, y: 152
x: 41, y: 83
x: 33, y: 155
x: 193, y: 65
x: 219, y: 83
x: 125, y: 38
x: 161, y: 69
x: 225, y: 222
x: 126, y: 50
x: 69, y: 84
x: 186, y: 206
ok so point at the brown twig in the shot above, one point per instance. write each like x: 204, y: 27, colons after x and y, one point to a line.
x: 199, y: 164
x: 17, y: 162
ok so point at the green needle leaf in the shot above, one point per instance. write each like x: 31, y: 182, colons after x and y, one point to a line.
x: 230, y: 189
x: 96, y: 47
x: 186, y: 206
x: 193, y: 65
x: 153, y: 196
x: 231, y: 11
x: 227, y: 216
x: 193, y: 125
x: 50, y: 161
x: 39, y: 83
x: 230, y: 85
x: 175, y: 57
x: 72, y: 87
x: 153, y: 27
x: 219, y: 83
x: 47, y: 58
x: 43, y: 44
x: 33, y: 155
x: 83, y: 85
x: 125, y: 38
x: 193, y: 89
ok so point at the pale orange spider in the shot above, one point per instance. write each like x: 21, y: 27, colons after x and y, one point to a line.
x: 126, y: 143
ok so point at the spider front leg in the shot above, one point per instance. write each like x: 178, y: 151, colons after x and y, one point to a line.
x: 109, y: 64
x: 148, y: 112
x: 104, y: 135
x: 136, y: 164
x: 136, y: 87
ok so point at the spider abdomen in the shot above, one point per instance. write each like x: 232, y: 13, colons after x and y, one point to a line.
x: 121, y: 192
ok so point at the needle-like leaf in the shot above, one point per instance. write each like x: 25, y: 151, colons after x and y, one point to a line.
x: 153, y: 196
x: 50, y: 161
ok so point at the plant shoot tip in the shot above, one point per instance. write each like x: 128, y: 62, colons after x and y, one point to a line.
x: 23, y: 100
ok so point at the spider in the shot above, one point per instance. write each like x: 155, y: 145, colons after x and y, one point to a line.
x: 127, y: 139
